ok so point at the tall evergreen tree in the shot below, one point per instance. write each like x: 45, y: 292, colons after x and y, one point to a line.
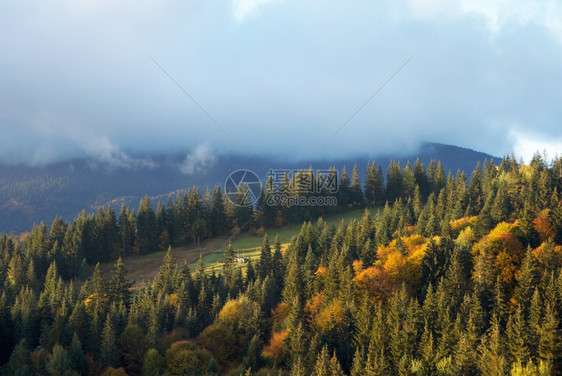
x: 118, y: 289
x: 147, y: 238
x: 355, y: 192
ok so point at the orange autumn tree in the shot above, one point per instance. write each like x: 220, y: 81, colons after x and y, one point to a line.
x: 398, y: 262
x: 549, y: 255
x: 460, y: 224
x: 274, y: 350
x: 543, y: 226
x: 503, y: 248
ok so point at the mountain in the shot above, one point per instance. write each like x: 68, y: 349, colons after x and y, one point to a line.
x: 31, y: 194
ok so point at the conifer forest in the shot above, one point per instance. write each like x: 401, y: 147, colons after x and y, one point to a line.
x: 444, y: 274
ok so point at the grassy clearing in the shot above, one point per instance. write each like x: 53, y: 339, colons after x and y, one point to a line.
x: 247, y: 245
x: 145, y: 267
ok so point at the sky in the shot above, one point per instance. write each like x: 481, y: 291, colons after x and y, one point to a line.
x: 118, y: 79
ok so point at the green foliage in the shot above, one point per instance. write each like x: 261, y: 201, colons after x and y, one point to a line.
x: 436, y: 283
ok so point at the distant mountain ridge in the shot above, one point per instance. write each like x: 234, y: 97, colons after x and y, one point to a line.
x: 31, y: 194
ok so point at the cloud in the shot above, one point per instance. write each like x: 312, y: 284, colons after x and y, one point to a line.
x: 497, y: 14
x: 246, y: 8
x: 198, y: 160
x: 526, y: 145
x: 78, y: 81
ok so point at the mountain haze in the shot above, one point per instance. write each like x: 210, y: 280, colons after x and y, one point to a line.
x: 31, y: 194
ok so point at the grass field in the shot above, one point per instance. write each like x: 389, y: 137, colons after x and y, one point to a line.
x: 145, y: 267
x: 247, y: 245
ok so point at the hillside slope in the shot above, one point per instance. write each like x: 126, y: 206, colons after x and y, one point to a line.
x: 31, y: 194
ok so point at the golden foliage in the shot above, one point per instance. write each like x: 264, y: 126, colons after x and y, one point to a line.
x: 280, y: 313
x: 462, y: 223
x: 235, y: 312
x: 274, y: 350
x: 549, y: 255
x: 89, y: 299
x: 313, y: 306
x: 173, y: 300
x: 543, y: 226
x: 333, y: 310
x: 375, y: 281
x: 503, y: 247
x: 357, y: 266
x: 321, y: 271
x: 402, y: 267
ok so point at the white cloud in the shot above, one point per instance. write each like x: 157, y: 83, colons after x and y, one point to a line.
x: 246, y: 8
x: 198, y: 160
x: 497, y: 13
x: 112, y: 156
x: 527, y: 144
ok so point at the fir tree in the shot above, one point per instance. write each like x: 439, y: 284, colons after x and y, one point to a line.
x: 118, y: 289
x: 109, y: 351
x: 147, y: 237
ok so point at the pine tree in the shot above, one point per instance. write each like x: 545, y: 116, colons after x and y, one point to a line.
x: 356, y: 194
x: 118, y: 289
x: 167, y: 277
x: 528, y: 232
x: 297, y: 343
x: 527, y: 280
x: 153, y: 363
x: 549, y: 338
x: 109, y: 351
x: 408, y: 181
x: 59, y: 361
x: 264, y: 263
x: 492, y: 361
x: 252, y: 360
x: 127, y: 229
x: 147, y: 237
x: 394, y: 183
x: 358, y: 366
x: 420, y: 178
x: 298, y: 368
x: 517, y: 335
x: 161, y: 227
x: 474, y: 192
x: 293, y: 281
x: 335, y: 367
x: 322, y: 365
x: 344, y: 190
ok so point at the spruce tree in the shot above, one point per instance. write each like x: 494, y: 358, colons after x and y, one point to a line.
x: 147, y: 237
x: 322, y: 365
x: 344, y: 190
x: 265, y: 262
x: 517, y: 335
x: 356, y: 194
x: 108, y: 350
x: 118, y: 289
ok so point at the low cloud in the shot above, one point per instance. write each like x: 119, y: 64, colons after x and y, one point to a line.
x: 198, y: 160
x: 78, y: 81
x: 526, y: 145
x: 246, y: 8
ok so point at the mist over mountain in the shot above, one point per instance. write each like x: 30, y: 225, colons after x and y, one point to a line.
x: 31, y: 194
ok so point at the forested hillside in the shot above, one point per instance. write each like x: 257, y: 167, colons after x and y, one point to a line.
x: 31, y: 194
x: 457, y: 275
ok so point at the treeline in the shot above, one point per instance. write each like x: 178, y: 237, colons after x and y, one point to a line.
x: 455, y: 277
x: 191, y: 218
